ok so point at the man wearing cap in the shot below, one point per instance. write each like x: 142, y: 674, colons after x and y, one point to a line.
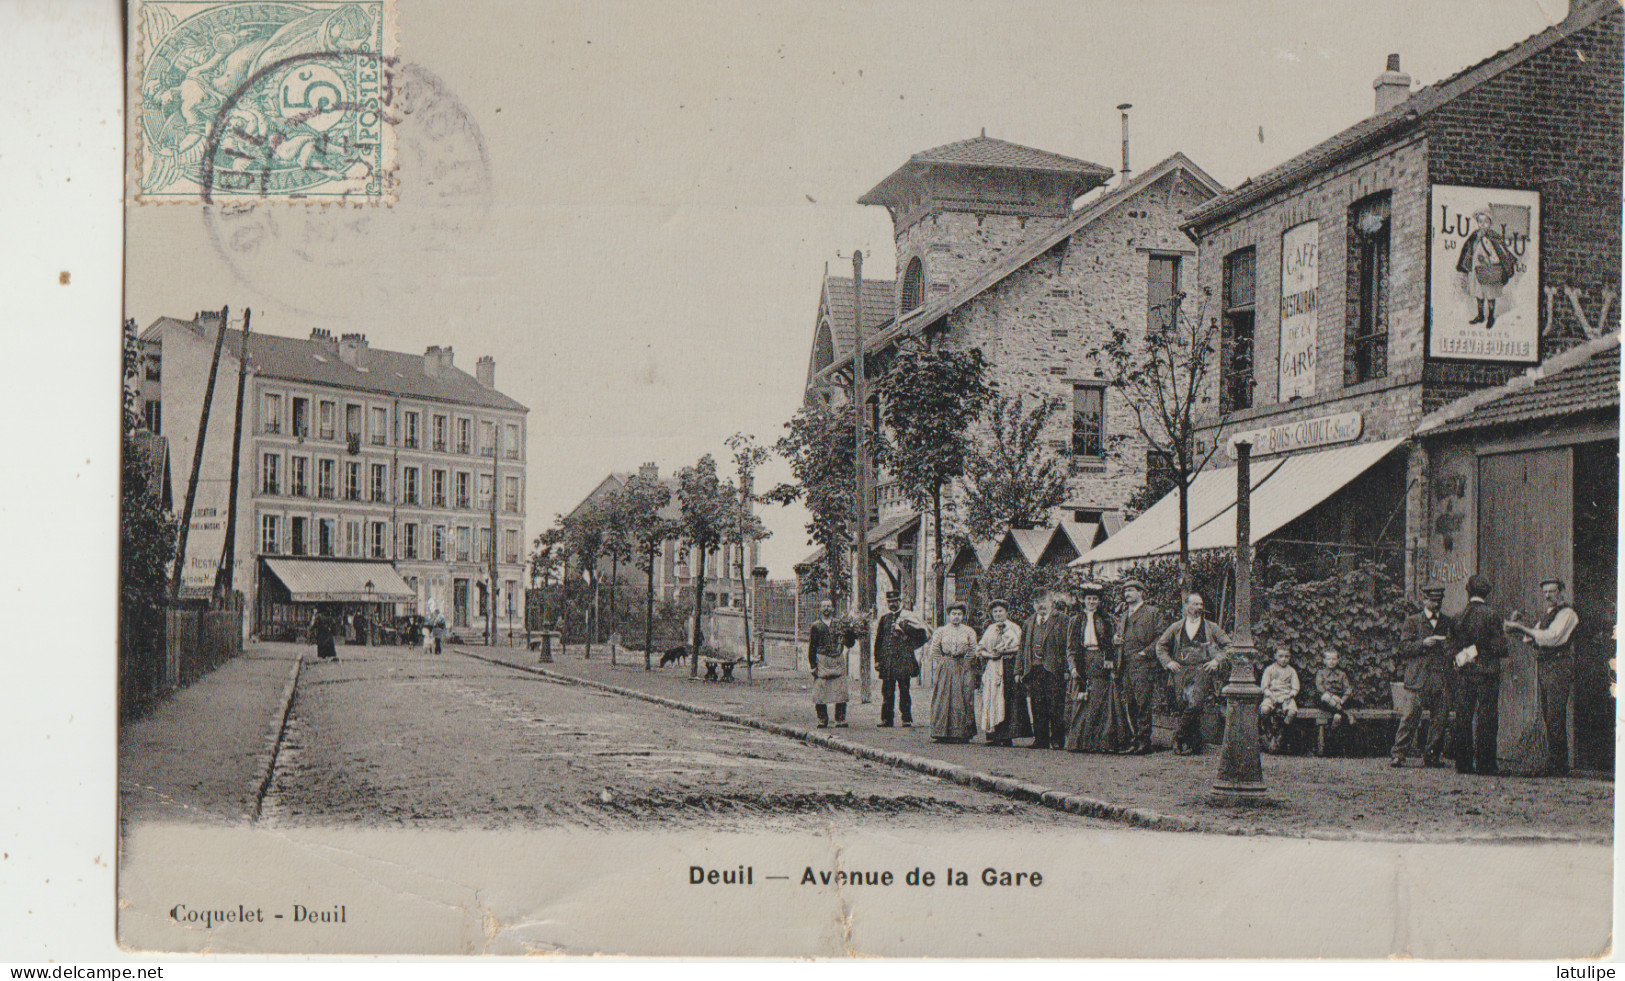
x: 1094, y: 665
x: 1554, y: 669
x: 897, y: 636
x: 1423, y: 641
x: 1137, y: 663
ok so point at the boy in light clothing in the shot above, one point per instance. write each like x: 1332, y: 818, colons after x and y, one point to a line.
x: 1279, y: 706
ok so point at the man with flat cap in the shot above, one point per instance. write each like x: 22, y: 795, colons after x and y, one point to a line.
x: 1429, y: 677
x: 1138, y: 669
x: 1554, y: 669
x: 897, y: 636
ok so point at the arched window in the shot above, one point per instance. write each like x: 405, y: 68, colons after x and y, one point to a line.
x: 914, y: 285
x: 823, y: 347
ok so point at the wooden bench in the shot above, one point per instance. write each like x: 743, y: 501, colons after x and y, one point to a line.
x: 712, y: 663
x: 1322, y: 721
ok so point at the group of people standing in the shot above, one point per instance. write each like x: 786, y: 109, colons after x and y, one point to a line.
x: 1086, y: 681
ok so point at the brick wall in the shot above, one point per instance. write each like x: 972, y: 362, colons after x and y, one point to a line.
x: 956, y: 247
x: 1551, y: 124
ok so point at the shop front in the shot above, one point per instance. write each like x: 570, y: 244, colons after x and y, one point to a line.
x: 365, y: 597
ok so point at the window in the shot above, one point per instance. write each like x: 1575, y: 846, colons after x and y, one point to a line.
x: 324, y: 478
x: 485, y: 545
x: 380, y: 425
x: 301, y: 417
x: 510, y: 545
x: 440, y: 433
x: 1236, y: 330
x: 409, y: 485
x: 296, y: 536
x: 488, y: 439
x: 463, y: 431
x: 352, y: 539
x: 352, y: 421
x: 411, y: 438
x: 513, y: 441
x: 1161, y: 291
x: 462, y: 490
x: 325, y: 534
x: 1089, y: 421
x: 270, y: 527
x: 509, y: 588
x: 437, y: 489
x: 152, y: 413
x: 380, y: 482
x: 269, y: 478
x: 510, y: 497
x: 378, y: 540
x: 485, y: 491
x: 272, y: 422
x: 465, y: 540
x: 324, y: 419
x: 438, y: 542
x: 1365, y: 346
x: 298, y: 476
x: 913, y: 285
x: 409, y: 540
x: 352, y: 481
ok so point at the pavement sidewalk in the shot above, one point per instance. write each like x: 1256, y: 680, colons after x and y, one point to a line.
x: 204, y: 753
x: 1311, y: 797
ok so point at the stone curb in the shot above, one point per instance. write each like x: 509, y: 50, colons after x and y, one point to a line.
x: 1006, y: 786
x: 273, y: 742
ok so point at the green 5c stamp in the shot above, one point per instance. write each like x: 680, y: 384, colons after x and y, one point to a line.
x: 237, y: 101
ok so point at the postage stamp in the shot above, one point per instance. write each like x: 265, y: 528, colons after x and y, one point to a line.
x: 273, y: 101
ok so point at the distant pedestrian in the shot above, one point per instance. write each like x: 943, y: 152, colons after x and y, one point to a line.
x: 898, y: 636
x: 1192, y: 650
x: 1138, y: 669
x: 1429, y: 680
x: 322, y: 631
x: 1554, y: 669
x: 438, y: 628
x: 1280, y: 703
x: 1041, y: 671
x: 1480, y: 646
x: 954, y: 664
x: 826, y: 656
x: 999, y: 645
x: 1099, y: 723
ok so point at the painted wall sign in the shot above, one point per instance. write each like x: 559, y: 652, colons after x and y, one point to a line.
x: 1300, y: 288
x: 1292, y: 436
x: 1484, y: 262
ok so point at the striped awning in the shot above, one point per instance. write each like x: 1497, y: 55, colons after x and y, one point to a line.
x: 1283, y: 489
x: 338, y: 581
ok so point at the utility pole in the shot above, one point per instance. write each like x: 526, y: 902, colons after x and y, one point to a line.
x: 197, y: 460
x: 491, y: 598
x: 1241, y: 774
x: 223, y: 575
x: 744, y: 586
x: 860, y: 394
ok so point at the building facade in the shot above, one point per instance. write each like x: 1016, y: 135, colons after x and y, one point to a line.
x: 1031, y: 257
x: 352, y: 459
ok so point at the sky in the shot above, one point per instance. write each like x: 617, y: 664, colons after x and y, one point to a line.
x: 644, y: 196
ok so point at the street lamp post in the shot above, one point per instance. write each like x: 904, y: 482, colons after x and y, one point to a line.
x: 1241, y: 772
x: 367, y: 621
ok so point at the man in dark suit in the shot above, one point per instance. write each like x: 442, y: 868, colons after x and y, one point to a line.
x: 1193, y: 650
x: 1137, y: 663
x: 1479, y: 646
x: 1429, y: 677
x: 896, y: 639
x: 1041, y: 668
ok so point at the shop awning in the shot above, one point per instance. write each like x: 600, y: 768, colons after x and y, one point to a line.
x: 1284, y: 488
x: 330, y: 581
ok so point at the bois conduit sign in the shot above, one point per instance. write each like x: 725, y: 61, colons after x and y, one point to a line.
x: 1291, y: 436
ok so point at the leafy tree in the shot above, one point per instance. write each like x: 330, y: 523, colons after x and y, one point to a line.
x: 746, y: 528
x: 819, y: 447
x: 1165, y: 379
x: 548, y: 560
x: 706, y: 511
x: 1012, y: 479
x: 146, y: 540
x: 584, y: 533
x: 616, y: 511
x: 648, y: 530
x: 928, y: 398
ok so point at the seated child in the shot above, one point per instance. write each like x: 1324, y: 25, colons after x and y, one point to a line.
x: 1334, y: 688
x: 1279, y: 706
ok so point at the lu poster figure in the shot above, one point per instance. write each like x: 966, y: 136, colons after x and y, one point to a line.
x: 1485, y: 258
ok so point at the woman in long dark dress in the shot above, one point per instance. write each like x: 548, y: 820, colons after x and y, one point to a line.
x: 953, y: 652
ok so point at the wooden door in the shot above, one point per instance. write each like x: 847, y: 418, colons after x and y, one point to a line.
x: 1525, y: 534
x: 1593, y: 588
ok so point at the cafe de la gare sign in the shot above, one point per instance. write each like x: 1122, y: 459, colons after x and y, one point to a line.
x: 1301, y: 435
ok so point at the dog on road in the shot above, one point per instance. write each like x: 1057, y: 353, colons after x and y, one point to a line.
x: 675, y: 654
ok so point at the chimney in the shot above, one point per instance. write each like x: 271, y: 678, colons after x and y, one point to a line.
x: 485, y: 371
x: 1393, y: 86
x: 322, y: 340
x: 431, y: 361
x: 1124, y: 108
x: 350, y: 345
x: 649, y: 471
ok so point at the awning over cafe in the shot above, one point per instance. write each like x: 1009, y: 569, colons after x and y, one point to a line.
x: 332, y: 581
x: 1283, y: 489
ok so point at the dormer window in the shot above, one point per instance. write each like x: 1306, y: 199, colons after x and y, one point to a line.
x: 913, y: 285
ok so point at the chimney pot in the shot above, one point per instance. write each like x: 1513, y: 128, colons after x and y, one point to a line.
x: 649, y: 471
x: 349, y: 345
x: 485, y: 371
x: 431, y: 361
x: 1393, y: 86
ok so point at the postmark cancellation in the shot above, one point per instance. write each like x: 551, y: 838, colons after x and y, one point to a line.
x: 235, y: 102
